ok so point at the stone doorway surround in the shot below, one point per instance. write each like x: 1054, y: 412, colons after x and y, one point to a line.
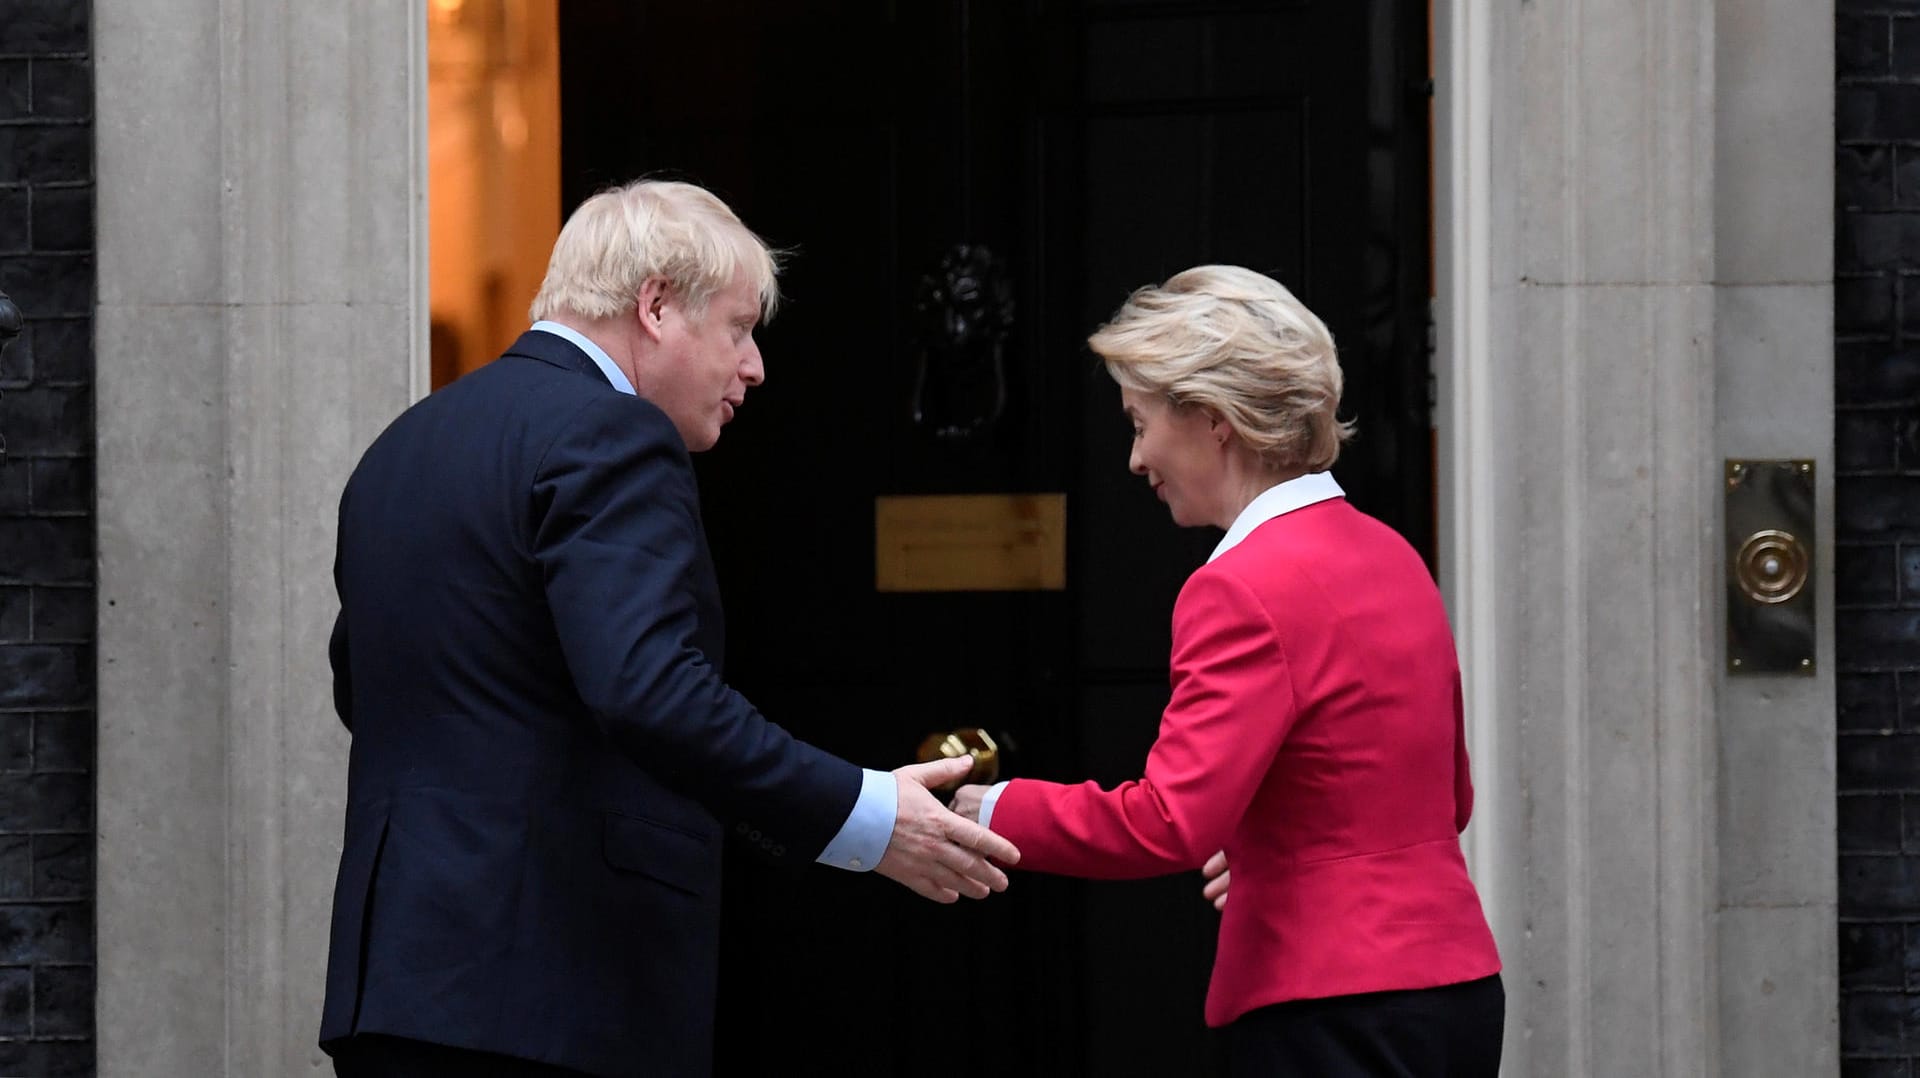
x: 1635, y: 239
x: 1635, y: 242
x: 262, y: 314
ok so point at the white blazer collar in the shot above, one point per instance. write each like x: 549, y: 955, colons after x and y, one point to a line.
x: 1279, y: 500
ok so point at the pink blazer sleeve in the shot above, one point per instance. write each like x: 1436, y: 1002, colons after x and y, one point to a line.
x: 1232, y: 705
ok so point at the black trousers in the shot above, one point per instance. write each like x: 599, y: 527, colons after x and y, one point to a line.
x: 375, y: 1055
x: 1449, y: 1032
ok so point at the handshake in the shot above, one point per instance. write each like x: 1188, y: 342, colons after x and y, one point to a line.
x: 941, y: 853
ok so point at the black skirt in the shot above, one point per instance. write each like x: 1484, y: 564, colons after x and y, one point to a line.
x: 1448, y: 1032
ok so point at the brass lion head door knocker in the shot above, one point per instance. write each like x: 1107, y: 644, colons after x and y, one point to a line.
x: 963, y: 312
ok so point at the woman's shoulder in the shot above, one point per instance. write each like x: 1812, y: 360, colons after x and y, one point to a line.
x: 1298, y: 558
x: 1317, y: 533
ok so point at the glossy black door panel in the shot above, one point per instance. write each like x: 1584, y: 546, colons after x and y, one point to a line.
x: 1093, y: 147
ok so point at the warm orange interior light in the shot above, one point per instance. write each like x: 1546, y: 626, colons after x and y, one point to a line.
x: 493, y: 162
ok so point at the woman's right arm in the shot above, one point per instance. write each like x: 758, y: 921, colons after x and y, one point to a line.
x: 1232, y: 706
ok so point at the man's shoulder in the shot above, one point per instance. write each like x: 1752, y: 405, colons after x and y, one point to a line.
x: 514, y: 374
x: 507, y: 398
x: 526, y: 410
x: 529, y: 380
x: 531, y: 391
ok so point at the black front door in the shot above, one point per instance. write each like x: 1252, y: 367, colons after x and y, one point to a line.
x: 1091, y: 147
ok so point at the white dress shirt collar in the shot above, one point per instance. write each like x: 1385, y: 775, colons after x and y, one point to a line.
x: 594, y: 352
x: 1279, y: 500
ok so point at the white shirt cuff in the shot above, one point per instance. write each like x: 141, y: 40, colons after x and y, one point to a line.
x: 862, y: 840
x: 987, y: 801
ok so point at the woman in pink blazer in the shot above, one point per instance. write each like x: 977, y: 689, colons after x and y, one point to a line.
x: 1315, y: 732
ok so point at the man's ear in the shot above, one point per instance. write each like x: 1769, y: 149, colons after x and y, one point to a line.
x: 650, y: 305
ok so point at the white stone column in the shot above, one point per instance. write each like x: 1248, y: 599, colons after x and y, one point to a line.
x: 261, y: 223
x: 1655, y: 842
x: 1608, y: 551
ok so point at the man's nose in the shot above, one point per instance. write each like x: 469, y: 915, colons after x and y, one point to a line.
x: 753, y: 370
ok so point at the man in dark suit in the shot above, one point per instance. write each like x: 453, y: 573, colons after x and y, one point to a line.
x: 528, y: 654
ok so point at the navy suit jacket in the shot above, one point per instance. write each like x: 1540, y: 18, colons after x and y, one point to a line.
x: 528, y: 656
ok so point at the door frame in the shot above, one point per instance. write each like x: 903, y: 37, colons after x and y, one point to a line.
x: 247, y: 853
x: 390, y: 131
x: 1465, y: 394
x: 1634, y: 237
x: 252, y: 851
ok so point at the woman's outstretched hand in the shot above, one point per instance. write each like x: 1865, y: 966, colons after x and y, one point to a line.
x: 966, y: 802
x: 1215, y: 870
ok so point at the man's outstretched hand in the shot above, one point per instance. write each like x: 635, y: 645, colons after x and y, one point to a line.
x: 936, y: 853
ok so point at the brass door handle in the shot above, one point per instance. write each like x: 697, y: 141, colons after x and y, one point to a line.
x: 971, y: 741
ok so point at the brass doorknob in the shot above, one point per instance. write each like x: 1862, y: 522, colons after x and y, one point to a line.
x: 971, y: 741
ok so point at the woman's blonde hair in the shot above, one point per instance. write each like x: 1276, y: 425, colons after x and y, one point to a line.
x: 1238, y: 343
x: 621, y: 237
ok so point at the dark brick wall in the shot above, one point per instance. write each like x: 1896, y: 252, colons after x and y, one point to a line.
x: 47, y: 541
x: 1877, y: 563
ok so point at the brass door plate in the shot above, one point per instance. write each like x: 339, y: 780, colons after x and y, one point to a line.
x: 1770, y: 566
x: 970, y: 542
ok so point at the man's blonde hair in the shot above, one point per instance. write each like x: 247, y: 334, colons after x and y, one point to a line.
x: 1236, y: 342
x: 621, y: 237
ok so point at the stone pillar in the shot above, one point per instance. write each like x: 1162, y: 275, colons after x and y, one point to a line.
x: 1777, y: 894
x: 260, y: 319
x: 1635, y: 218
x: 1610, y: 548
